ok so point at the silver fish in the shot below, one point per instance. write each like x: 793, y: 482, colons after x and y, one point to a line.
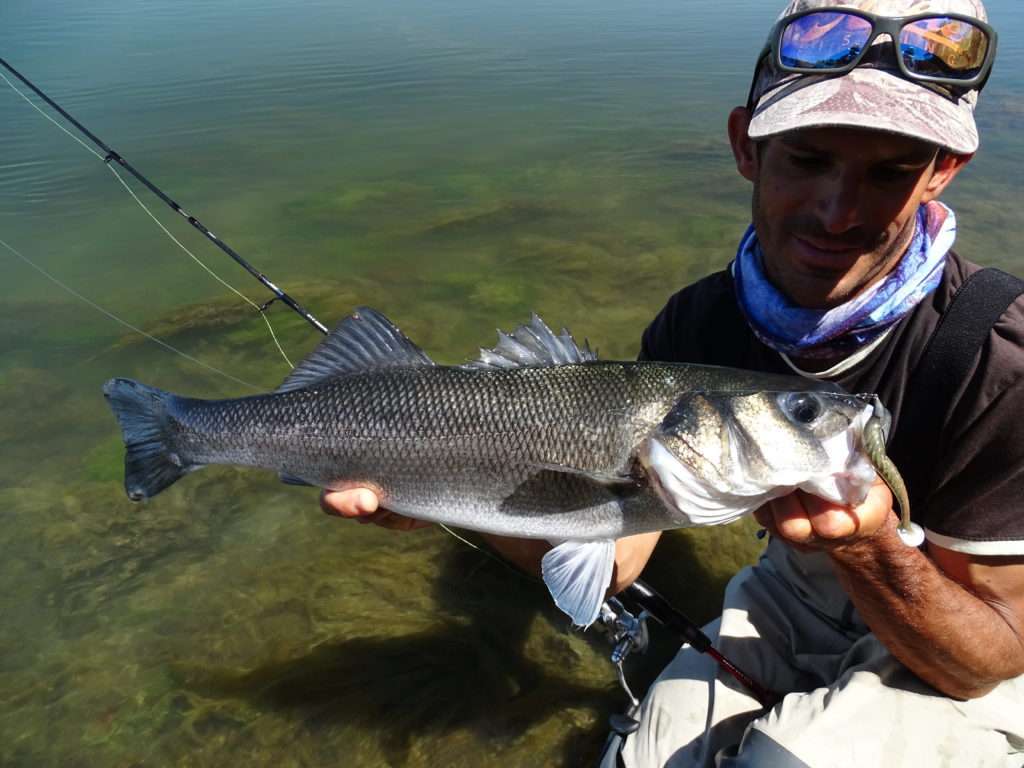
x: 537, y: 439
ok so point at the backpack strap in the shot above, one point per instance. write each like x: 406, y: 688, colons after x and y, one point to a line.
x: 949, y: 354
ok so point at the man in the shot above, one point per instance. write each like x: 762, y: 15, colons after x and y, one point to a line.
x: 890, y: 655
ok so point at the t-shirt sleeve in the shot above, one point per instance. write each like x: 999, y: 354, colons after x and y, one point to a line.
x: 978, y: 486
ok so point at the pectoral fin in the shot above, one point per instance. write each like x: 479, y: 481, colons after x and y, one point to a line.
x: 616, y: 482
x: 577, y: 574
x: 293, y: 480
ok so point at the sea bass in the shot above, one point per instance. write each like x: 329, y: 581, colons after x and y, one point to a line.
x: 537, y: 439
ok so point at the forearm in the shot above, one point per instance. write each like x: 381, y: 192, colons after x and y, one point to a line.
x: 525, y: 554
x: 946, y: 635
x: 631, y: 555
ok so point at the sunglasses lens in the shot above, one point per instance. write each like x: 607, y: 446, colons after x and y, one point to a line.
x: 943, y: 47
x: 823, y: 40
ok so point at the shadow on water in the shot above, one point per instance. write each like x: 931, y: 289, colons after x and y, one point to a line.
x: 470, y: 670
x: 498, y: 661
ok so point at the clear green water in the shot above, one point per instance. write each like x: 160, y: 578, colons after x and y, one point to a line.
x: 456, y: 165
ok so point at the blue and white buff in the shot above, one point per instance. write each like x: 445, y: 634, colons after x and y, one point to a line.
x: 826, y: 333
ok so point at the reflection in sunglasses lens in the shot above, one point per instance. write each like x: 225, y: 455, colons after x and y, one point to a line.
x: 943, y: 47
x: 823, y: 40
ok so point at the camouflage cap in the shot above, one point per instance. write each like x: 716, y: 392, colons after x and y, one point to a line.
x: 874, y: 98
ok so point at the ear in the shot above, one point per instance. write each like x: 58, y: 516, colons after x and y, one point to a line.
x: 744, y: 149
x: 947, y: 166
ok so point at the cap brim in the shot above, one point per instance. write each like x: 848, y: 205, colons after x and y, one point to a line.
x: 867, y: 98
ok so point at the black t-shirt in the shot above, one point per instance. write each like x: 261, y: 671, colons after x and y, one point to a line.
x: 976, y: 491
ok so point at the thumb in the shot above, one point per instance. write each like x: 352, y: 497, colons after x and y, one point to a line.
x: 353, y: 502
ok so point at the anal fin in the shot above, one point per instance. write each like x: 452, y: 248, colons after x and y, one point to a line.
x: 578, y: 573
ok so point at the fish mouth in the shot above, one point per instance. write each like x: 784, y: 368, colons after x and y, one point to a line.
x: 848, y: 471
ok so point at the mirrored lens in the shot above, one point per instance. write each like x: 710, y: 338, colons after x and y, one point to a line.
x: 943, y: 47
x: 823, y: 40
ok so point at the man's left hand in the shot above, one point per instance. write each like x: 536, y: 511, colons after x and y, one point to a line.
x: 809, y: 522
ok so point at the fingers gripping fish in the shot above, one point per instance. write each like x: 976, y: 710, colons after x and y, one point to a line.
x: 537, y: 438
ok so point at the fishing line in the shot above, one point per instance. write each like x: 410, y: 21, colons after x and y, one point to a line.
x: 37, y: 109
x: 467, y: 542
x: 125, y: 323
x: 196, y: 259
x: 111, y: 157
x: 167, y: 232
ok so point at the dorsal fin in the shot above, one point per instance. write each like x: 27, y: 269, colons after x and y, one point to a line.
x: 533, y: 344
x: 362, y: 341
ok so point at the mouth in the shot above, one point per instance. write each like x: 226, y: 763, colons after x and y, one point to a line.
x: 826, y: 255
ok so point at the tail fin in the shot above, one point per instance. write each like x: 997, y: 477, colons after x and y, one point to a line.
x: 150, y: 463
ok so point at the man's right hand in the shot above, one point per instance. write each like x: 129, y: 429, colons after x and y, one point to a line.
x: 363, y: 506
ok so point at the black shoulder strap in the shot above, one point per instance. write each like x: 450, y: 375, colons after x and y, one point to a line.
x: 948, y: 356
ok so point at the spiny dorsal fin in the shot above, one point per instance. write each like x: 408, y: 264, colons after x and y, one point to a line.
x: 362, y: 341
x: 533, y: 344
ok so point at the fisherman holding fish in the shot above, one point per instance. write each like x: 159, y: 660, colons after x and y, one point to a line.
x: 860, y: 115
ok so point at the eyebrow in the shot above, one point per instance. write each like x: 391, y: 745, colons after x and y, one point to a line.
x: 924, y: 155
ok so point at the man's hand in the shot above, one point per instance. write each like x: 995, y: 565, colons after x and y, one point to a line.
x: 363, y: 506
x: 812, y: 523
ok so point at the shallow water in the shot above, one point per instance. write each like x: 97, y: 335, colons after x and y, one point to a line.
x: 456, y: 167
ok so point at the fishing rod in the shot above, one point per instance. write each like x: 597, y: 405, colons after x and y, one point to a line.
x: 678, y: 622
x: 111, y: 156
x: 628, y: 628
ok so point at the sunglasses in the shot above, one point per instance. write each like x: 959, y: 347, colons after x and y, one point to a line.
x: 941, y: 49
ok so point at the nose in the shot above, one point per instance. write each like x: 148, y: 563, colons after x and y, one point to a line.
x: 839, y: 206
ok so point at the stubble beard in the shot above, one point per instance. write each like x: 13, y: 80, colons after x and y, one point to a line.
x: 881, y: 258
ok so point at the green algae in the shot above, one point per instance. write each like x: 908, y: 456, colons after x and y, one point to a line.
x: 510, y: 215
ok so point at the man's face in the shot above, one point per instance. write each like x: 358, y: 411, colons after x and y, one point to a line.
x: 834, y: 208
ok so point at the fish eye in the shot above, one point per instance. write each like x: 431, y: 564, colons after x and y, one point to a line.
x: 803, y: 407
